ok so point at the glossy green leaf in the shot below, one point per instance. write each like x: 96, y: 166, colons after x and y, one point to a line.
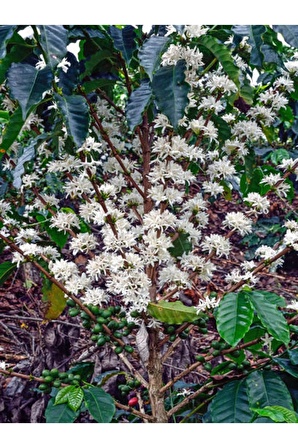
x: 172, y: 312
x: 63, y: 394
x: 75, y: 113
x: 150, y: 53
x: 59, y: 413
x: 231, y: 405
x: 272, y: 319
x: 266, y: 388
x: 100, y: 404
x: 137, y: 103
x: 124, y: 40
x: 53, y: 39
x: 6, y: 32
x: 12, y: 130
x: 287, y: 365
x: 181, y: 245
x: 289, y: 33
x: 6, y: 269
x: 27, y: 85
x: 223, y: 55
x: 273, y: 298
x: 75, y: 398
x: 234, y: 317
x: 18, y: 53
x: 171, y: 90
x: 278, y: 414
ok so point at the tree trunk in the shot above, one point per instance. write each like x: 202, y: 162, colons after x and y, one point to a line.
x: 155, y: 374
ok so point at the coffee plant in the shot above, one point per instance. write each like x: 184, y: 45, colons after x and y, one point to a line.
x: 124, y: 153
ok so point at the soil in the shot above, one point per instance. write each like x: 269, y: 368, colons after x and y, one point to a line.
x: 30, y: 343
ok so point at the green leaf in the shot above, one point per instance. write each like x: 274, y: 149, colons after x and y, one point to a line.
x: 100, y: 404
x: 6, y: 32
x: 6, y: 269
x: 12, y: 130
x: 278, y: 414
x: 60, y: 413
x: 293, y: 355
x: 270, y: 316
x: 181, y: 245
x: 256, y: 41
x: 137, y: 103
x: 273, y: 298
x: 124, y: 40
x: 223, y: 55
x: 267, y: 389
x: 234, y: 317
x: 63, y: 394
x: 75, y: 398
x: 17, y: 53
x: 150, y: 53
x: 171, y: 91
x: 75, y: 113
x: 172, y: 312
x: 27, y: 85
x: 55, y: 300
x: 28, y: 154
x: 289, y: 33
x: 231, y: 405
x: 287, y: 365
x: 58, y: 236
x: 53, y: 39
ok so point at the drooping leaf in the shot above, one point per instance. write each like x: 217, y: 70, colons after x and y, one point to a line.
x: 172, y: 312
x: 278, y: 414
x: 266, y: 388
x: 273, y: 298
x: 137, y: 103
x: 75, y: 113
x: 181, y: 245
x: 100, y: 404
x: 270, y: 316
x: 234, y: 317
x: 27, y: 85
x: 55, y: 300
x: 231, y: 405
x: 223, y: 55
x: 18, y: 53
x: 6, y: 269
x: 256, y: 42
x: 289, y: 33
x: 28, y: 154
x: 171, y: 90
x: 53, y: 39
x: 59, y: 413
x: 6, y: 32
x: 75, y: 398
x: 11, y: 130
x: 84, y: 369
x: 150, y: 53
x: 124, y: 40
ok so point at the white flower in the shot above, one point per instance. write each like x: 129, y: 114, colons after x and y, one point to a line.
x: 259, y: 203
x: 64, y: 64
x: 221, y: 83
x: 238, y: 221
x: 171, y: 274
x: 95, y: 296
x: 62, y: 269
x: 217, y: 243
x: 65, y: 221
x: 41, y: 63
x: 83, y: 243
x: 207, y: 304
x: 293, y: 305
x: 222, y: 168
